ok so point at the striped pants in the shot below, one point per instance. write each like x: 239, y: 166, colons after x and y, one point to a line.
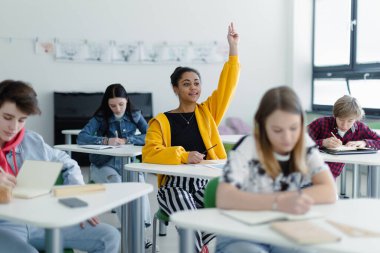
x: 184, y: 194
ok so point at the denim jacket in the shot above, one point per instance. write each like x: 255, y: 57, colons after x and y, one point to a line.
x: 33, y: 147
x: 92, y: 134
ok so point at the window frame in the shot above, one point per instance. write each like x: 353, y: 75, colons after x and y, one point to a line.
x: 352, y: 71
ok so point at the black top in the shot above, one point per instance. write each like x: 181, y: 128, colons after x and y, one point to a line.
x: 185, y: 131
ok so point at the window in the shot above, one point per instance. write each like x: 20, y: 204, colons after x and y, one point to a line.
x: 346, y: 53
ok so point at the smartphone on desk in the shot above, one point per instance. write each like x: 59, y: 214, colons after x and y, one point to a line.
x: 73, y: 202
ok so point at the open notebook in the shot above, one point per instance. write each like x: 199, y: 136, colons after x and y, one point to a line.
x: 345, y: 150
x: 98, y: 147
x: 36, y: 178
x: 262, y: 217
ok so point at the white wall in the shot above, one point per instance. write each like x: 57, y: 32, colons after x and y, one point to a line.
x: 266, y: 46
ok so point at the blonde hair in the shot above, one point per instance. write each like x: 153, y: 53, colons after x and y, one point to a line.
x: 285, y: 99
x: 347, y: 106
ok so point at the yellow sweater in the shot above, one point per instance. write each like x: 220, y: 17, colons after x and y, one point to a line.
x: 209, y: 114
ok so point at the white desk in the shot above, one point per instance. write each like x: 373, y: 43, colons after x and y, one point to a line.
x: 362, y: 213
x: 356, y: 160
x: 68, y: 133
x: 183, y: 170
x: 47, y: 212
x: 231, y: 138
x: 126, y: 152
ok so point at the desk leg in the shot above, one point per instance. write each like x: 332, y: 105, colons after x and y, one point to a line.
x: 355, y: 181
x: 343, y: 177
x: 68, y: 141
x: 53, y: 241
x: 186, y: 240
x: 135, y: 219
x: 124, y: 221
x: 374, y: 178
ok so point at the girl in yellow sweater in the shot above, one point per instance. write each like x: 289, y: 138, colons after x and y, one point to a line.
x: 184, y: 135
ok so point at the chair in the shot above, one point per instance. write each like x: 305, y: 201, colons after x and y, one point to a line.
x: 163, y: 218
x: 209, y: 202
x: 210, y: 193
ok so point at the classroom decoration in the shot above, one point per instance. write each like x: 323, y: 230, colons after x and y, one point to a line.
x: 141, y: 53
x: 133, y: 52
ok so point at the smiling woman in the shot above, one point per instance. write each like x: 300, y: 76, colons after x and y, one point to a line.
x: 189, y: 134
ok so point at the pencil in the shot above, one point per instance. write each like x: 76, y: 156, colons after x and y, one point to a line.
x: 204, y: 152
x: 333, y: 135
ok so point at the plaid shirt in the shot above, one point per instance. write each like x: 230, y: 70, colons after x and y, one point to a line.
x: 321, y: 129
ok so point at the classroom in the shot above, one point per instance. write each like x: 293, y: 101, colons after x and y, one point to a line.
x: 315, y: 47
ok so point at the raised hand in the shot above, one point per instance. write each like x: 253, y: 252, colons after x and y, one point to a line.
x: 233, y: 39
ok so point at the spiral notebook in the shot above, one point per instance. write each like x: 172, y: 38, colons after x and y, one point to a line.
x: 36, y: 178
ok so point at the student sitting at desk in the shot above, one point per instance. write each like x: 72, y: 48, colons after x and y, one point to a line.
x: 267, y: 171
x: 17, y: 101
x: 114, y: 123
x: 186, y: 134
x: 344, y: 128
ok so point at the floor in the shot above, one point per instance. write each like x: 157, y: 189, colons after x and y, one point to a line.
x: 169, y: 243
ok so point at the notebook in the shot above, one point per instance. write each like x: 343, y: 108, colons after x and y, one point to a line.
x: 344, y: 150
x: 262, y: 217
x: 305, y: 232
x: 98, y: 147
x: 36, y: 178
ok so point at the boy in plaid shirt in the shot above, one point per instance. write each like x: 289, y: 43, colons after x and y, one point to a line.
x: 344, y: 128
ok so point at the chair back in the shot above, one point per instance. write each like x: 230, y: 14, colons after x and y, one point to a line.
x: 210, y: 193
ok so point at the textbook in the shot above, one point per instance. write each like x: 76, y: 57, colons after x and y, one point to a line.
x: 36, y: 178
x: 305, y: 232
x: 262, y: 217
x: 98, y: 147
x: 73, y: 190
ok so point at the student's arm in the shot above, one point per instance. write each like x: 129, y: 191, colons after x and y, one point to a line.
x: 370, y: 137
x: 142, y: 126
x: 230, y: 197
x: 88, y: 135
x: 314, y: 130
x: 323, y: 190
x: 157, y: 150
x: 220, y: 99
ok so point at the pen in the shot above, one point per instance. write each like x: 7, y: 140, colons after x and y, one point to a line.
x: 204, y: 152
x: 2, y: 170
x: 116, y: 134
x: 300, y: 185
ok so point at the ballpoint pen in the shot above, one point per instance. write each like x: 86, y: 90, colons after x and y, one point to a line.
x: 204, y: 152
